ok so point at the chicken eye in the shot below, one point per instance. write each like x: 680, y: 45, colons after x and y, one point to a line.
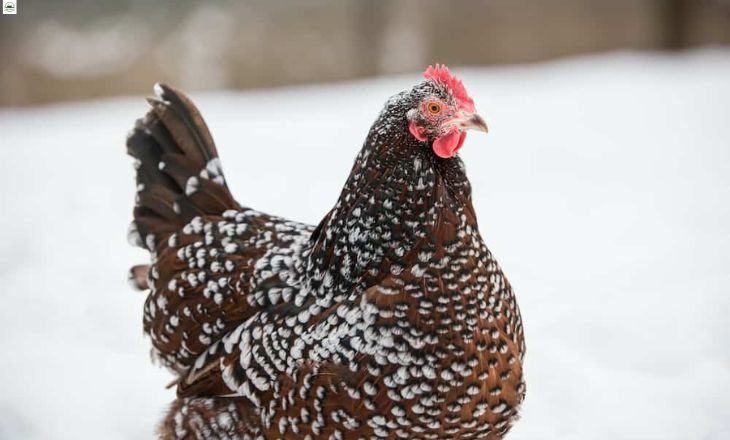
x: 434, y: 108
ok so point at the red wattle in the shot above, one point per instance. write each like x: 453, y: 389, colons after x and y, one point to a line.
x: 447, y: 145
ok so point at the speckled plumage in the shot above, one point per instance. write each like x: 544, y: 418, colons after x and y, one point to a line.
x: 390, y: 319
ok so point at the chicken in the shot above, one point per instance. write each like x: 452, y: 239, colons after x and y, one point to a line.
x: 390, y: 319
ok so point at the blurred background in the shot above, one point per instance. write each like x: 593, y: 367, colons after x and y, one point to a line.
x: 602, y: 186
x: 73, y: 50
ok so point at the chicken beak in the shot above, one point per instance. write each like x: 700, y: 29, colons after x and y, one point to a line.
x: 469, y: 121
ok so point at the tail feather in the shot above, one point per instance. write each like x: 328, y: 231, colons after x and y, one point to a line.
x: 178, y: 170
x: 198, y: 139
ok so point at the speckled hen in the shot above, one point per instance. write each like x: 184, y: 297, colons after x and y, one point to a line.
x: 390, y: 319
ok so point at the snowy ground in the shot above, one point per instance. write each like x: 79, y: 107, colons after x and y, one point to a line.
x: 603, y: 188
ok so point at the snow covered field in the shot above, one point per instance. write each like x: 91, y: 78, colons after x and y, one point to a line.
x: 603, y: 189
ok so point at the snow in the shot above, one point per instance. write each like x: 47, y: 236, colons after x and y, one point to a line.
x: 602, y: 188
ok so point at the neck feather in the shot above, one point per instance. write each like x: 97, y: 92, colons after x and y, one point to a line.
x: 393, y: 199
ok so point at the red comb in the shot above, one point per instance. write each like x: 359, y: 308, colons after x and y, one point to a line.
x: 441, y: 74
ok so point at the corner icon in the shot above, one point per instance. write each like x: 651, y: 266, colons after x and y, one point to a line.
x: 10, y: 7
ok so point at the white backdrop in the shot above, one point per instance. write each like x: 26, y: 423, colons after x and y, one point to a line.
x: 603, y: 188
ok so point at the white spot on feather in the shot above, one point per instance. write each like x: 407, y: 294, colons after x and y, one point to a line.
x: 191, y: 186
